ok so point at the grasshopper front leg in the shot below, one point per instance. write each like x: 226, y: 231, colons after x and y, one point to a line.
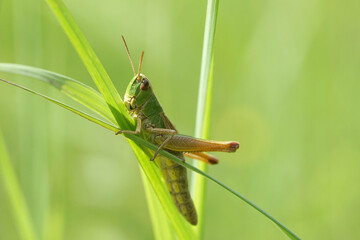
x: 137, y: 130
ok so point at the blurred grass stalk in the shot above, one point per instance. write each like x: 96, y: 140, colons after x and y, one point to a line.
x: 32, y: 138
x: 202, y: 127
x: 17, y: 200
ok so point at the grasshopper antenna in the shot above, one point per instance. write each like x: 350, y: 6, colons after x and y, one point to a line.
x: 128, y: 52
x: 141, y: 59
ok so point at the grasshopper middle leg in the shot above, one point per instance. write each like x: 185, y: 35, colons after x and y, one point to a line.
x: 162, y: 131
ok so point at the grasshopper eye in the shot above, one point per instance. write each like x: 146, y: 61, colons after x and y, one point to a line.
x: 144, y: 84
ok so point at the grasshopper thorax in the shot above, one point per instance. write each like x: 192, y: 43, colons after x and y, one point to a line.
x: 138, y: 92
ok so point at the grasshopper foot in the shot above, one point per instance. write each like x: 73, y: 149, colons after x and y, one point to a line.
x: 233, y: 146
x: 153, y: 158
x: 119, y: 132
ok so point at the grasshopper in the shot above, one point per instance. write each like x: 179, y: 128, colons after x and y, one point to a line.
x: 154, y: 126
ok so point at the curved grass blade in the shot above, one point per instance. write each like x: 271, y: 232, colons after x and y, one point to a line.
x: 17, y: 200
x: 117, y: 107
x: 74, y: 89
x: 74, y: 110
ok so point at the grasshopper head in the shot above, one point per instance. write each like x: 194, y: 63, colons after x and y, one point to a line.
x: 139, y: 89
x: 138, y: 92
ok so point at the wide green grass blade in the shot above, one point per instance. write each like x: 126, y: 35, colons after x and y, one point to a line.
x: 202, y: 126
x: 116, y: 106
x: 17, y: 200
x: 74, y: 89
x: 92, y: 63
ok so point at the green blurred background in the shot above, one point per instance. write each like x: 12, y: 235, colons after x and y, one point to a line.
x: 286, y: 86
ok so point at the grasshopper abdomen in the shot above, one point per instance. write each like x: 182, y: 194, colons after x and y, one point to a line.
x: 176, y: 180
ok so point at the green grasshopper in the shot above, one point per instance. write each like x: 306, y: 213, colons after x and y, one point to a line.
x: 154, y: 126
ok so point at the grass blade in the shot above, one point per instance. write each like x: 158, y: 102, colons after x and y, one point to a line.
x: 116, y: 106
x: 198, y: 184
x: 161, y: 225
x: 72, y: 88
x: 92, y: 63
x: 17, y: 200
x: 78, y: 112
